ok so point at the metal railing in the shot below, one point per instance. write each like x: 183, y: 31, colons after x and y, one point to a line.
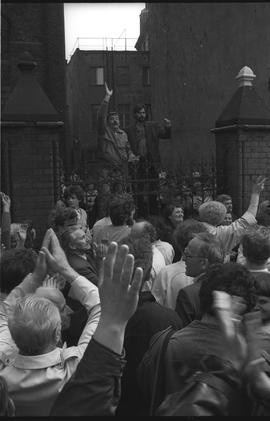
x: 105, y: 44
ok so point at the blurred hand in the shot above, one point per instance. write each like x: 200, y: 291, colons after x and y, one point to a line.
x: 167, y: 122
x: 55, y: 281
x: 119, y: 287
x: 258, y: 184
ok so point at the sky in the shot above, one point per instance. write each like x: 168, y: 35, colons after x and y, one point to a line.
x: 100, y: 20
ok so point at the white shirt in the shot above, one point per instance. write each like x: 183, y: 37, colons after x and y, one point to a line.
x: 35, y: 381
x: 168, y: 283
x: 157, y: 264
x: 230, y: 235
x: 166, y: 249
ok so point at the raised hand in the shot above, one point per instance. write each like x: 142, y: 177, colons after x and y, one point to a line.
x: 119, y: 293
x: 56, y: 258
x: 6, y: 202
x: 258, y: 183
x: 107, y: 90
x: 119, y: 287
x: 167, y: 122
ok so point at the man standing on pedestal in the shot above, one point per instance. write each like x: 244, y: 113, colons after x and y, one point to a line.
x: 113, y: 145
x: 143, y: 137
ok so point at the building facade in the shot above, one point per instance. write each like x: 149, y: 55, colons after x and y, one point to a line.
x: 196, y: 49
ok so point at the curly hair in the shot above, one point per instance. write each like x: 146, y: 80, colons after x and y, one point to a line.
x: 233, y: 278
x: 212, y: 212
x: 74, y: 190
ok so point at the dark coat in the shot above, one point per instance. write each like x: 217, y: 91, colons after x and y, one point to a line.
x: 86, y: 268
x: 149, y: 318
x: 188, y: 303
x: 94, y: 389
x: 153, y: 131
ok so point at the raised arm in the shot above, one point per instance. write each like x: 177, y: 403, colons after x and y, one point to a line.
x: 6, y: 221
x: 103, y: 110
x: 257, y: 187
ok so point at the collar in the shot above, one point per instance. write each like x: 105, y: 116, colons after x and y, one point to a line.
x: 38, y: 361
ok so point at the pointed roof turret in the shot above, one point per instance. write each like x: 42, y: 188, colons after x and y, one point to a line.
x: 246, y: 106
x: 28, y: 101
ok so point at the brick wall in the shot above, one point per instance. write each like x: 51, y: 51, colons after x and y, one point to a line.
x: 33, y: 173
x: 241, y: 154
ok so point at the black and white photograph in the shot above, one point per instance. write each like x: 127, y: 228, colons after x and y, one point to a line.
x: 135, y: 209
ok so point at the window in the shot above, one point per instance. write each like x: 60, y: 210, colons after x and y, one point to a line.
x: 124, y: 114
x: 146, y: 76
x: 122, y: 75
x: 94, y: 110
x: 97, y: 75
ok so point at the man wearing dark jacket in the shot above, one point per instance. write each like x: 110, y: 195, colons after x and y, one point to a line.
x: 148, y: 319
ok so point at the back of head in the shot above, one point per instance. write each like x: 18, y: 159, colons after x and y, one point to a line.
x: 159, y: 225
x: 256, y: 245
x: 141, y: 249
x: 35, y: 325
x: 263, y: 214
x: 233, y: 278
x: 15, y: 265
x: 212, y: 212
x: 65, y: 217
x: 143, y: 229
x: 185, y: 232
x: 120, y: 211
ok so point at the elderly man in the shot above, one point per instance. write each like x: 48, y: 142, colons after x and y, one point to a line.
x: 79, y: 252
x: 33, y: 365
x: 212, y: 214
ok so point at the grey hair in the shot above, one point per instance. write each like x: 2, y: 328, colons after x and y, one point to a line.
x: 34, y: 324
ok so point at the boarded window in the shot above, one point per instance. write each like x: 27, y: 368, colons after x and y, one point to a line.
x: 97, y: 75
x: 146, y: 76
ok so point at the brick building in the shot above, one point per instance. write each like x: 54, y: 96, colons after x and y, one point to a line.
x: 196, y: 49
x: 126, y: 72
x: 39, y: 29
x: 33, y: 108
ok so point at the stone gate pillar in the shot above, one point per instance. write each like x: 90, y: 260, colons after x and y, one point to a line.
x: 242, y: 135
x: 30, y: 150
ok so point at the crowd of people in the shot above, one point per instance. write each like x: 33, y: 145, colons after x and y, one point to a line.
x: 118, y: 316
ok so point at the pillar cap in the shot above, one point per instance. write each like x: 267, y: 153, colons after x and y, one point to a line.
x: 245, y: 77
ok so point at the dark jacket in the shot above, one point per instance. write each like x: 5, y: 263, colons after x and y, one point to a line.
x: 94, y: 389
x: 153, y: 131
x: 86, y: 268
x: 149, y: 318
x: 188, y: 303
